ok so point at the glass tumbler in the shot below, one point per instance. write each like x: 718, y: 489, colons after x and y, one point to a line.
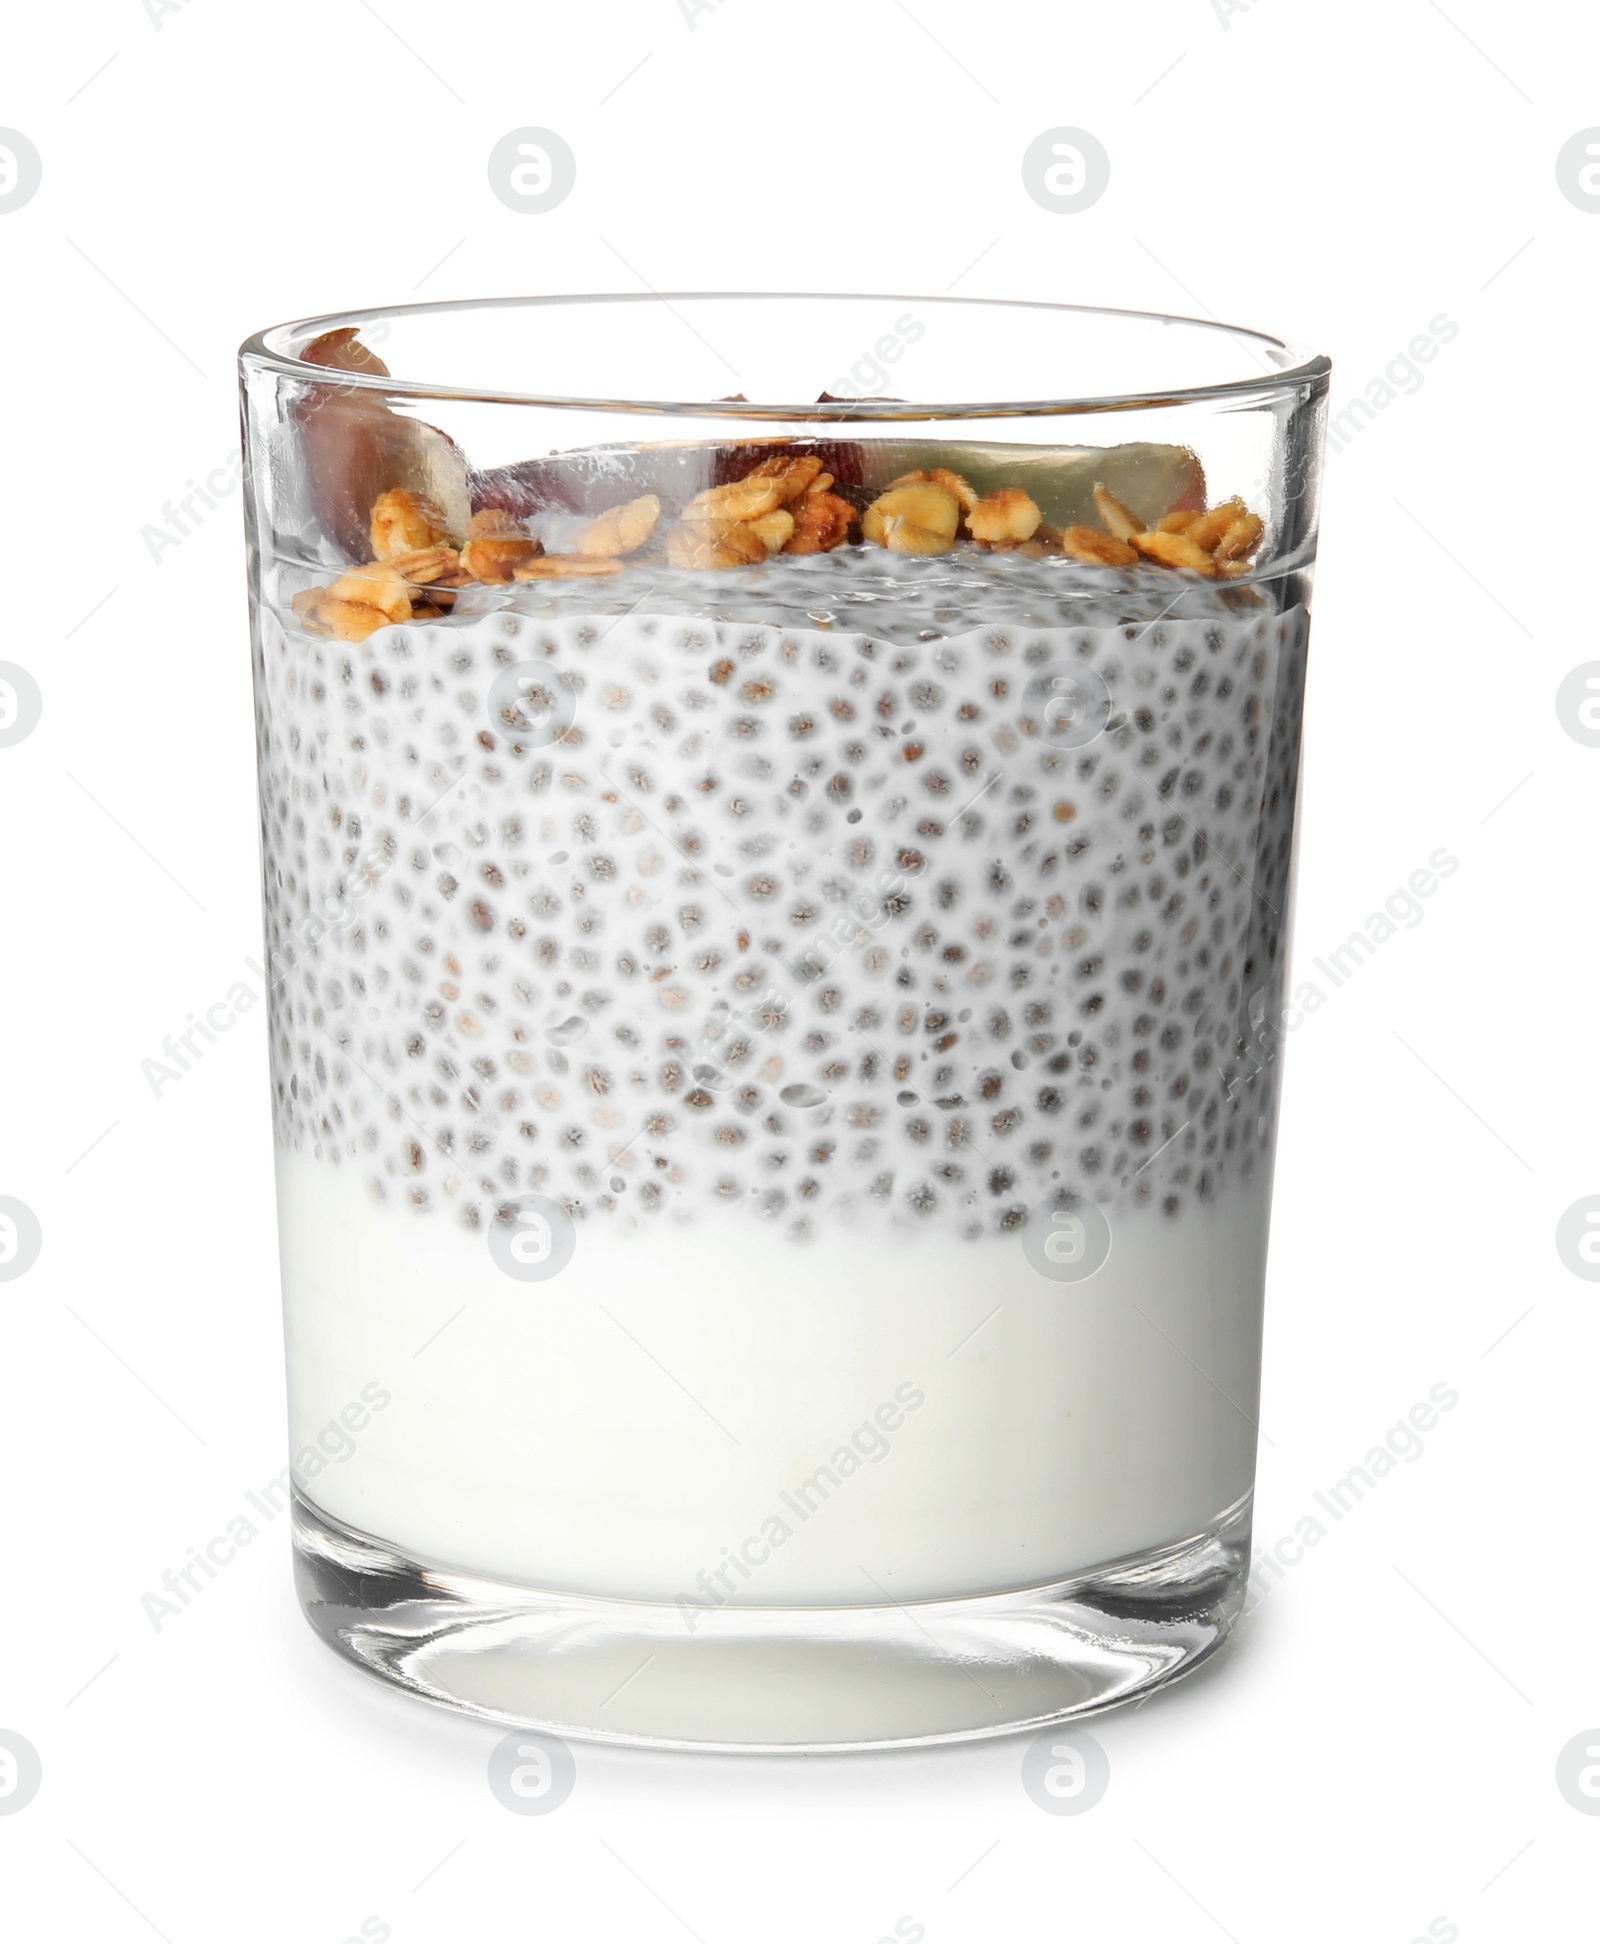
x: 777, y: 827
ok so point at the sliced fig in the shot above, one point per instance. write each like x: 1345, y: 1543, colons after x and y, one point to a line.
x: 595, y: 478
x: 357, y: 447
x: 342, y: 350
x: 846, y: 459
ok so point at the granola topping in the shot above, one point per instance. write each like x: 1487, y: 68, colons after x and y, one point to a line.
x: 573, y: 566
x: 621, y: 529
x: 1216, y: 544
x: 788, y: 503
x: 822, y: 521
x: 714, y: 543
x: 1004, y: 518
x: 497, y: 545
x: 405, y: 522
x: 918, y: 517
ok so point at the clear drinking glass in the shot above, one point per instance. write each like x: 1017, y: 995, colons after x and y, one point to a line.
x: 777, y: 916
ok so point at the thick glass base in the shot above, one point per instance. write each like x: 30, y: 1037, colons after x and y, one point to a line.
x: 773, y: 1678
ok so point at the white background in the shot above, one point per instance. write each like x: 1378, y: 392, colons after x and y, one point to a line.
x: 1376, y: 1751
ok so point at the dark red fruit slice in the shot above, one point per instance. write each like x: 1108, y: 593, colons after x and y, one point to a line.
x: 590, y: 480
x: 357, y: 448
x: 844, y: 458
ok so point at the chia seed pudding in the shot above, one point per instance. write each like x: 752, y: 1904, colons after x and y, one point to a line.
x: 763, y: 924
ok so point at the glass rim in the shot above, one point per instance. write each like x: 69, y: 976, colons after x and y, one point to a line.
x: 1303, y: 369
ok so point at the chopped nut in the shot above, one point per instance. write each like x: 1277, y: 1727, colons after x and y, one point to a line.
x: 379, y: 585
x: 773, y: 529
x: 566, y: 567
x: 952, y: 482
x: 792, y: 477
x: 903, y: 536
x: 358, y: 603
x: 822, y: 521
x: 1226, y: 533
x: 1241, y: 539
x: 428, y: 565
x: 1119, y: 520
x: 1099, y: 549
x: 620, y: 529
x: 1003, y: 518
x: 821, y: 483
x: 1208, y: 528
x: 714, y: 543
x: 405, y: 522
x: 306, y: 605
x: 920, y: 518
x: 1177, y: 522
x: 497, y: 545
x: 350, y: 620
x: 1175, y: 550
x: 741, y: 499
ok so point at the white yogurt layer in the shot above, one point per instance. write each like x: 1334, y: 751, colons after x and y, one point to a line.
x: 704, y: 1412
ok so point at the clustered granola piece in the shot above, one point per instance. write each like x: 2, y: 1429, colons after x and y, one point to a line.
x: 497, y: 545
x: 1216, y: 544
x: 404, y: 523
x: 915, y: 516
x: 412, y: 575
x: 783, y: 505
x: 620, y: 529
x: 924, y: 512
x: 415, y: 569
x: 786, y: 505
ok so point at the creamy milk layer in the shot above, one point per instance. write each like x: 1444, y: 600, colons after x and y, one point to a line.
x: 706, y: 1413
x: 787, y: 937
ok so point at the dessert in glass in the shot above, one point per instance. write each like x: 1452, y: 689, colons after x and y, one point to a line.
x: 777, y: 909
